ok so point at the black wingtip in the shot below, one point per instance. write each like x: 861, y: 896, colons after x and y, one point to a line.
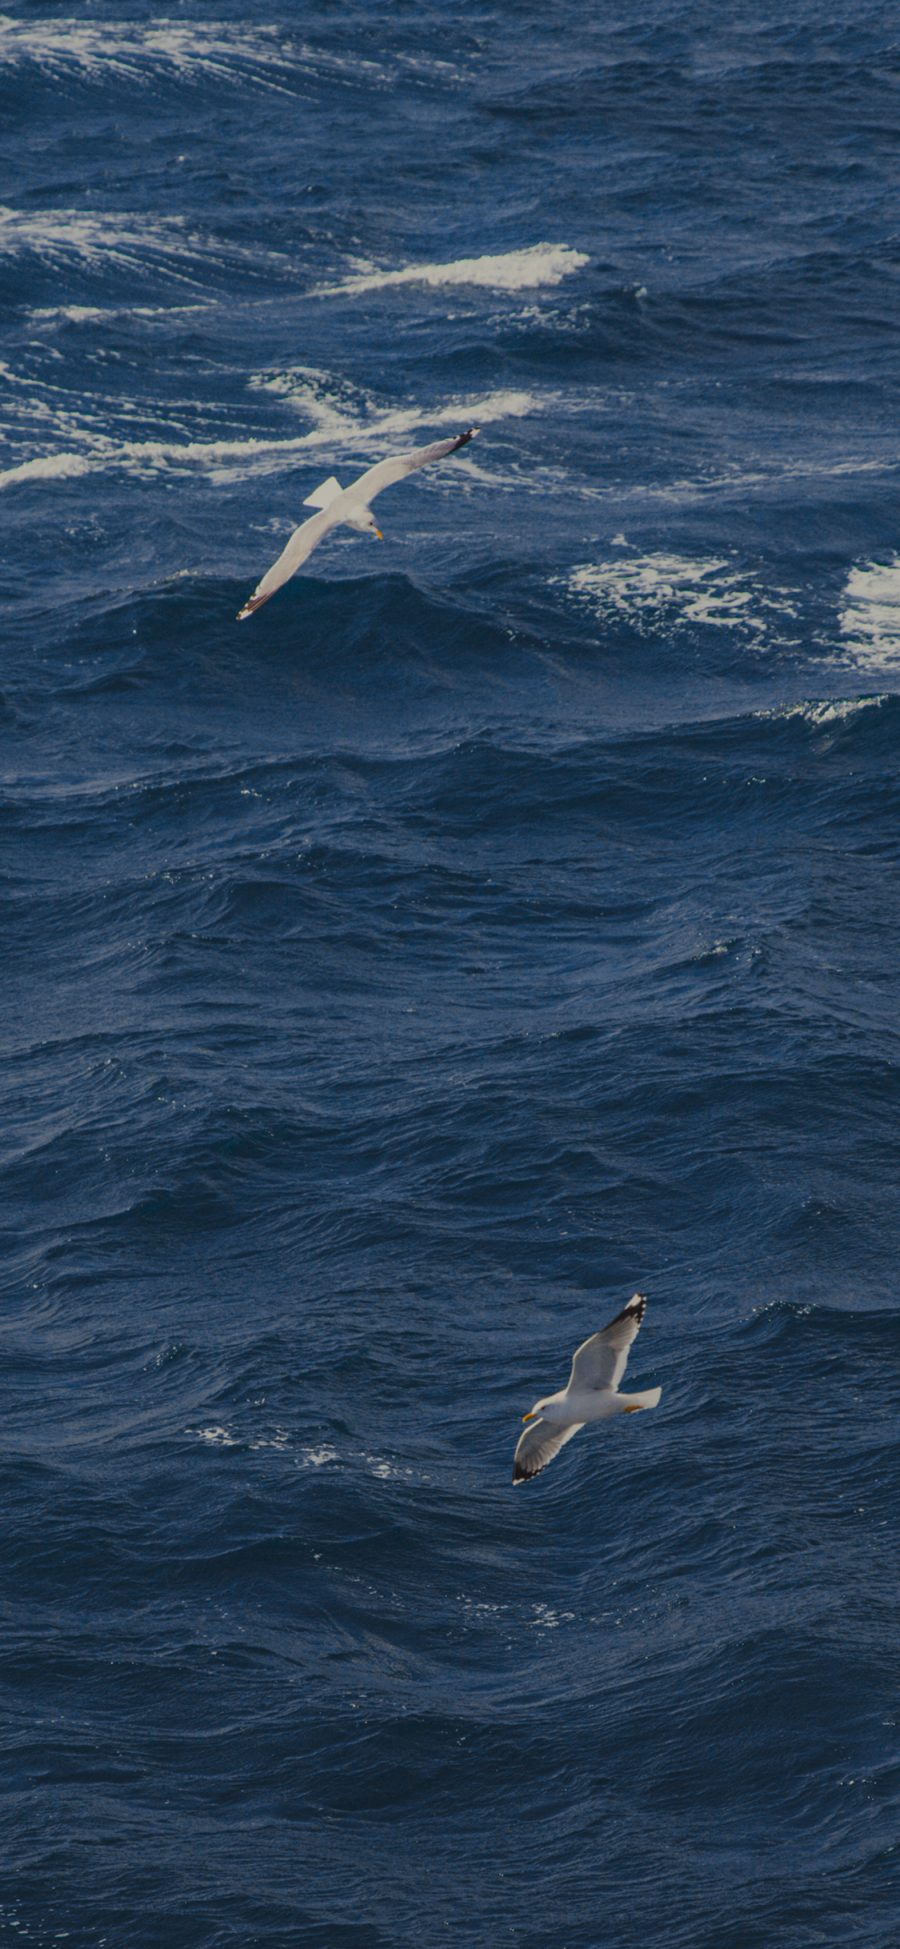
x: 464, y: 438
x: 635, y: 1310
x: 250, y: 607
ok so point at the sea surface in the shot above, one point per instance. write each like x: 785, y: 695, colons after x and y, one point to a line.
x: 502, y: 921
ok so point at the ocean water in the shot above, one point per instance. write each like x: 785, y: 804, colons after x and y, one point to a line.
x: 503, y: 920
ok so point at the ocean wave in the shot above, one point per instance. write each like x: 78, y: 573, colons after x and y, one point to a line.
x: 196, y: 51
x: 122, y: 242
x: 869, y: 617
x: 533, y: 266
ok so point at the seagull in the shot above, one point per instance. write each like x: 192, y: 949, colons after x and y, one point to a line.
x: 591, y: 1393
x: 347, y: 504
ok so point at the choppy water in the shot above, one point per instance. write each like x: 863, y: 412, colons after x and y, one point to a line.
x: 504, y: 919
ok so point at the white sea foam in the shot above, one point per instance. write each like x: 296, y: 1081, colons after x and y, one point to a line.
x: 334, y: 426
x: 279, y: 1439
x: 545, y: 1618
x: 385, y: 1471
x: 869, y: 616
x: 651, y: 590
x: 512, y: 270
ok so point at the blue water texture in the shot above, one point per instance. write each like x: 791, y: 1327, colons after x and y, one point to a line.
x: 502, y: 921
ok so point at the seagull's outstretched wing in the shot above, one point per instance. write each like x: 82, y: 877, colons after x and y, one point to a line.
x: 601, y: 1360
x: 295, y: 552
x: 387, y: 472
x: 538, y: 1445
x: 344, y: 506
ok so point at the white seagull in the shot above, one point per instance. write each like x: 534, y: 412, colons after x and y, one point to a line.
x: 591, y: 1393
x: 347, y: 504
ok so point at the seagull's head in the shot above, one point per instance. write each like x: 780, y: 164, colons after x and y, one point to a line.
x: 533, y: 1413
x: 370, y: 525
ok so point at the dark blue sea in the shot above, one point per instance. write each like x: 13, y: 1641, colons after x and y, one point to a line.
x: 504, y: 920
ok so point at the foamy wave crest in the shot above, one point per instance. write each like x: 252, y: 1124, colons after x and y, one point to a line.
x: 52, y: 466
x: 511, y: 270
x: 231, y: 460
x: 869, y: 618
x: 649, y: 590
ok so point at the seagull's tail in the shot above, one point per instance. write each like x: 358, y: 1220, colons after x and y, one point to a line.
x: 649, y: 1399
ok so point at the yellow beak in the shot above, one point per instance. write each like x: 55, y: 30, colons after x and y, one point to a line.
x: 530, y: 1416
x: 379, y: 534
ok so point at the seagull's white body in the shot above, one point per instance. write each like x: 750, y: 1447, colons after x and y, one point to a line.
x: 591, y: 1393
x: 349, y: 505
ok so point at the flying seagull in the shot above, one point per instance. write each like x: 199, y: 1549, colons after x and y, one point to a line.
x: 591, y: 1393
x: 350, y: 505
